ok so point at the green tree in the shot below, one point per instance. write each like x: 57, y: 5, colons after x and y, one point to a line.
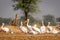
x: 32, y: 20
x: 58, y: 19
x: 27, y: 6
x: 5, y: 20
x: 49, y: 18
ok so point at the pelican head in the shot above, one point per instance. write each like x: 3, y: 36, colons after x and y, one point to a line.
x: 35, y: 26
x: 42, y: 22
x: 21, y: 23
x: 48, y: 23
x: 28, y: 20
x: 2, y: 24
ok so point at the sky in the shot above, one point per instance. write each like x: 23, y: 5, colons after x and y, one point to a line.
x: 51, y: 7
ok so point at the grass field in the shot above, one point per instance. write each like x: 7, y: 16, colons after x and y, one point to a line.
x: 19, y: 35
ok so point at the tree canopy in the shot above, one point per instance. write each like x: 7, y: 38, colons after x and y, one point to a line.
x: 26, y: 5
x: 49, y: 18
x: 58, y: 19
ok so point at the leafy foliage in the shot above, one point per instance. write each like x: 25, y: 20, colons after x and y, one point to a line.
x: 26, y: 5
x: 49, y: 18
x: 5, y: 20
x: 58, y: 19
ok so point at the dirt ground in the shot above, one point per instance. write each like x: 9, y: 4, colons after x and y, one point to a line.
x: 19, y: 35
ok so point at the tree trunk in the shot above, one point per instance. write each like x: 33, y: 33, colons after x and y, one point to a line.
x: 26, y: 14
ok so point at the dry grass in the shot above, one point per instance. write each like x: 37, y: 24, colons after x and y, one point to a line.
x: 19, y: 35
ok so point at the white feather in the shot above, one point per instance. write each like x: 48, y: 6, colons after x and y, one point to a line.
x: 43, y: 28
x: 4, y: 28
x: 36, y: 29
x: 23, y: 28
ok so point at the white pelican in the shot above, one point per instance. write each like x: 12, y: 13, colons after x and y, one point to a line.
x: 49, y: 28
x: 24, y: 29
x: 52, y: 29
x: 43, y: 28
x: 32, y: 32
x: 36, y: 29
x: 55, y: 31
x: 5, y: 29
x: 29, y: 27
